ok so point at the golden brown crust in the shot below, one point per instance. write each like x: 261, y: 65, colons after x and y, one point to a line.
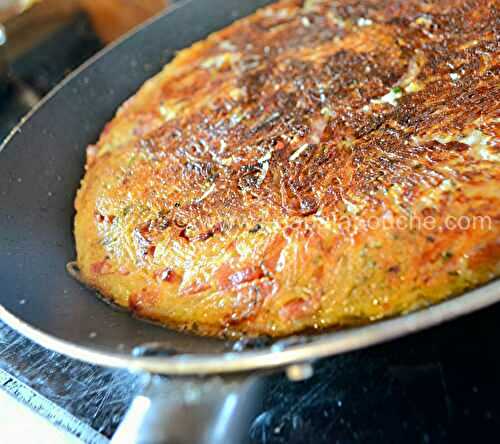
x: 318, y: 164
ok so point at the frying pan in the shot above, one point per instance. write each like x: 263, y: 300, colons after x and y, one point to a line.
x: 216, y: 384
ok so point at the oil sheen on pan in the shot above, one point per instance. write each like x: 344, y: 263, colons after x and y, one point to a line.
x: 318, y: 164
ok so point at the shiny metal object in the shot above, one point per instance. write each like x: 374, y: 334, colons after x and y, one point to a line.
x: 186, y: 411
x: 299, y: 372
x: 3, y: 59
x: 320, y: 346
x: 3, y: 36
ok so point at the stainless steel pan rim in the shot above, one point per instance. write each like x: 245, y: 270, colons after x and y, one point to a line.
x: 321, y: 346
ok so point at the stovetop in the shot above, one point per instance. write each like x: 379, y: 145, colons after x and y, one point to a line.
x: 441, y: 385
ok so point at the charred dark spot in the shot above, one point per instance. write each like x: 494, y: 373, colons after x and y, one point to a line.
x: 204, y: 236
x: 447, y: 255
x: 255, y: 228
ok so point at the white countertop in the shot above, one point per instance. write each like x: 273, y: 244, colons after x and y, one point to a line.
x: 19, y: 423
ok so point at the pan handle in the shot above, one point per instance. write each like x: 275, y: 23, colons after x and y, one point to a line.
x: 211, y: 410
